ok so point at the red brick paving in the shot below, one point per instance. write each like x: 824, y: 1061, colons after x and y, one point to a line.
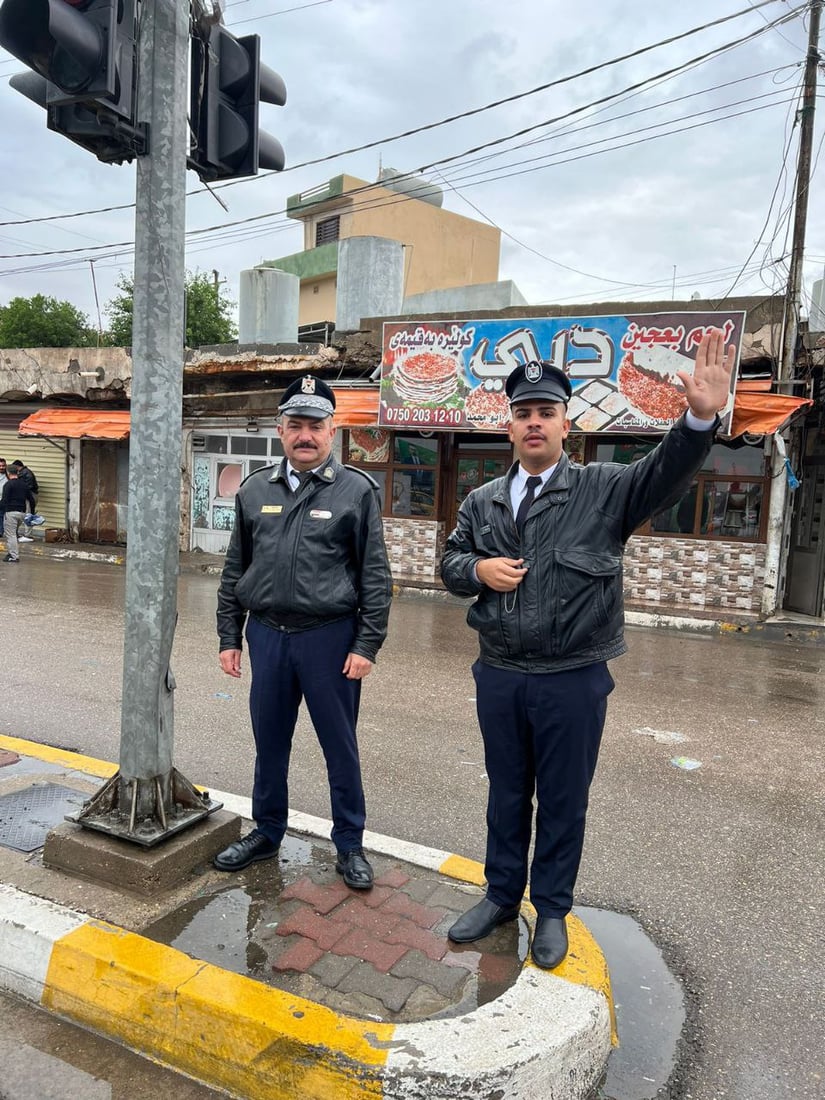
x: 306, y: 922
x: 298, y: 956
x: 375, y: 921
x: 323, y: 899
x: 363, y: 945
x: 395, y: 878
x: 409, y: 934
x: 421, y: 915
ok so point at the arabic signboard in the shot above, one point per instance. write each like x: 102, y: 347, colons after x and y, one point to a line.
x: 623, y: 369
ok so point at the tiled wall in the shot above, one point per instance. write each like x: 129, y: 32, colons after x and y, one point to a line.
x: 673, y: 576
x: 414, y: 547
x: 687, y: 575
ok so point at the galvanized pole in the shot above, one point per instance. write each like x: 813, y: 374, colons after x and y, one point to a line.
x: 147, y: 800
x: 777, y: 507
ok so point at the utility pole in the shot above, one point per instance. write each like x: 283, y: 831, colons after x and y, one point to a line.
x: 148, y: 799
x: 790, y: 332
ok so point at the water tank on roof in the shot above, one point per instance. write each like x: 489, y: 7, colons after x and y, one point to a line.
x: 414, y: 186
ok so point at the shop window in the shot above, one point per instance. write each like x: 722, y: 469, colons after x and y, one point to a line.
x: 405, y: 467
x: 725, y: 501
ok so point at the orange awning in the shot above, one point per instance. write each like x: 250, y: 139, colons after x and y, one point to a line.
x: 356, y: 408
x: 763, y: 413
x: 77, y: 424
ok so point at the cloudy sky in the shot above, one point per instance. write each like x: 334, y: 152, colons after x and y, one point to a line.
x: 663, y: 175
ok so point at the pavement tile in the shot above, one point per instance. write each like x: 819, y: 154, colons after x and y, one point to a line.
x: 376, y: 921
x: 354, y: 1004
x: 300, y: 955
x: 450, y: 897
x: 434, y: 947
x: 446, y: 980
x: 423, y: 1004
x: 464, y: 957
x: 312, y: 926
x: 405, y: 906
x: 496, y: 969
x: 364, y: 946
x: 330, y: 968
x: 376, y: 896
x: 392, y: 992
x: 395, y: 878
x: 322, y: 898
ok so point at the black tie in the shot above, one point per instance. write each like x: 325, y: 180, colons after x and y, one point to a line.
x: 529, y: 496
x: 304, y: 477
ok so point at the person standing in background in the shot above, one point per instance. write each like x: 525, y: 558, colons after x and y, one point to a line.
x: 13, y: 501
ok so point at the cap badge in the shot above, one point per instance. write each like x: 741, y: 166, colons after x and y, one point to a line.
x: 533, y: 372
x: 307, y: 384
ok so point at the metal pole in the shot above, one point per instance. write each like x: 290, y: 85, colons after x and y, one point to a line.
x: 777, y: 507
x: 148, y: 799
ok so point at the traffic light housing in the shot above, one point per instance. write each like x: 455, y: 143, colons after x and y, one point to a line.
x: 84, y: 54
x: 228, y: 83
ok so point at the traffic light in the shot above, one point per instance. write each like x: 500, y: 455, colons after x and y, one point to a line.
x: 84, y: 53
x: 228, y: 82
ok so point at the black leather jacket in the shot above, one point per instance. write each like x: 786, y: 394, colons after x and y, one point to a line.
x: 569, y: 609
x: 299, y: 561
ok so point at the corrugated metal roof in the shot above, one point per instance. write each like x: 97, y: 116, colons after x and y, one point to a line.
x: 77, y: 424
x: 355, y: 408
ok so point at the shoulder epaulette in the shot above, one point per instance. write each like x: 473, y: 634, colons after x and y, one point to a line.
x: 260, y: 470
x: 358, y: 470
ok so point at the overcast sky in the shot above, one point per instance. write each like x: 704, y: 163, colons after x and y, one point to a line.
x: 688, y: 179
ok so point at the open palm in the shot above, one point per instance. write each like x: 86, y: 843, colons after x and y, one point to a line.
x: 708, y: 387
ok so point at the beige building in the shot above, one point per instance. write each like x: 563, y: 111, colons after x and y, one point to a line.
x: 441, y: 249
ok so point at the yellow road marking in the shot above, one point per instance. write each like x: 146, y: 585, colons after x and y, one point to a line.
x: 74, y: 760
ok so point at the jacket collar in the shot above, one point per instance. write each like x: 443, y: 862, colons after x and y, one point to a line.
x: 328, y: 472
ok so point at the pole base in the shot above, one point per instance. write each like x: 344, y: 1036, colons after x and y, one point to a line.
x: 145, y: 811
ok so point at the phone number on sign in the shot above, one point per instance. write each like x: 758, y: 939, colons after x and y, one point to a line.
x: 405, y: 415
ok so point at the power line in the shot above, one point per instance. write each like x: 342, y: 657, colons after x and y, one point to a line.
x: 489, y: 106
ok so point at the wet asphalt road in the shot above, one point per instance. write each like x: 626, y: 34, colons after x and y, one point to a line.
x: 722, y: 865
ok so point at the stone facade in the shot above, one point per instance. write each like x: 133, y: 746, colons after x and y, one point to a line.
x: 669, y: 576
x: 690, y: 576
x: 414, y: 547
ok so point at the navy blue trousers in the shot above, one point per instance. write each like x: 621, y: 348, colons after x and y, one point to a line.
x: 541, y: 734
x: 286, y: 668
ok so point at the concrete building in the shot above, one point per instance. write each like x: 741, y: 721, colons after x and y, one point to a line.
x: 441, y: 249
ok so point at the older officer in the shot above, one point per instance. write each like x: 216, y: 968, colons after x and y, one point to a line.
x: 307, y: 570
x: 541, y: 550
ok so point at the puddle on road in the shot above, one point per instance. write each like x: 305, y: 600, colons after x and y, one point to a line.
x: 249, y: 923
x: 650, y: 1007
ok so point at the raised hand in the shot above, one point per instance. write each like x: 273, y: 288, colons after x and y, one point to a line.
x: 708, y: 387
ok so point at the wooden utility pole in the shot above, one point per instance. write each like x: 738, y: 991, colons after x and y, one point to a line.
x: 779, y: 489
x: 803, y: 179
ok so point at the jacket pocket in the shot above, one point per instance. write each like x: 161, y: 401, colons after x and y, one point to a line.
x: 485, y: 617
x: 588, y: 589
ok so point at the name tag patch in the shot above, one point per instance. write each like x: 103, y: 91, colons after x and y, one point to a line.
x: 272, y: 509
x: 319, y: 513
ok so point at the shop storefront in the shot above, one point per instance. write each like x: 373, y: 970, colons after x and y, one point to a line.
x: 705, y: 553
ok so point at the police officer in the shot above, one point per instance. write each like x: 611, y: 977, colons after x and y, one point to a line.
x: 541, y: 552
x: 307, y: 571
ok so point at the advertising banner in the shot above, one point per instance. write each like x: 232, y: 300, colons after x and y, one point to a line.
x: 450, y: 375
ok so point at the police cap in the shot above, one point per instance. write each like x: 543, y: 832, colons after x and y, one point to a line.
x: 308, y: 396
x: 538, y: 381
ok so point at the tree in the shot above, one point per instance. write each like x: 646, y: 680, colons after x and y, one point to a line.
x: 42, y: 322
x: 208, y: 313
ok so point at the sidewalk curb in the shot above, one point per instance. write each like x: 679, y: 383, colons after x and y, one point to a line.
x: 548, y: 1035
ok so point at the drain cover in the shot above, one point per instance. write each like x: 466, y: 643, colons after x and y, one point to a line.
x: 26, y: 816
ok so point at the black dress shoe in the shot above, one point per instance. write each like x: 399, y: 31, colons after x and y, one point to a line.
x: 549, y: 942
x: 480, y: 921
x: 355, y: 869
x: 247, y: 850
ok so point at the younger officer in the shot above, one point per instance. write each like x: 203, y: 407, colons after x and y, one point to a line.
x: 541, y: 550
x: 307, y: 570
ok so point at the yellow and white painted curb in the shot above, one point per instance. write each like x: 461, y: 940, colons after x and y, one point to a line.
x: 548, y: 1035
